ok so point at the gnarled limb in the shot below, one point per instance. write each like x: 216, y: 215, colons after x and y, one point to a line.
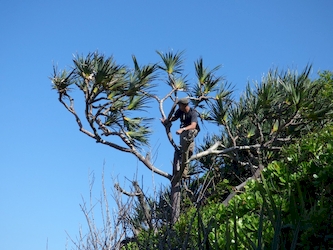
x: 213, y: 150
x: 239, y: 187
x: 141, y: 197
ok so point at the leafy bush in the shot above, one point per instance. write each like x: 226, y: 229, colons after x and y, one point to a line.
x: 289, y: 207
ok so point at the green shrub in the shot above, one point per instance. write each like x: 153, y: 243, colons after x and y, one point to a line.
x: 290, y: 207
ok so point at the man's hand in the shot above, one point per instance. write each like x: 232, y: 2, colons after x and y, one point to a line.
x: 179, y: 131
x: 166, y: 122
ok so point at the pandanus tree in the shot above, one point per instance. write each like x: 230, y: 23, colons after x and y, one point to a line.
x: 116, y: 96
x: 269, y: 115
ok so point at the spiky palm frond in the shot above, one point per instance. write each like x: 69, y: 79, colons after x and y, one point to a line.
x: 224, y: 92
x: 219, y: 111
x: 248, y: 100
x: 173, y: 62
x: 204, y: 74
x: 206, y: 115
x: 262, y: 101
x: 61, y: 80
x: 106, y: 70
x: 146, y: 73
x: 207, y: 81
x: 180, y: 84
x: 140, y: 80
x: 98, y: 73
x: 296, y: 86
x: 139, y: 137
x: 118, y: 104
x: 113, y: 119
x: 136, y: 122
x: 267, y: 92
x: 196, y: 90
x: 137, y: 130
x: 238, y: 121
x: 84, y: 65
x: 138, y: 102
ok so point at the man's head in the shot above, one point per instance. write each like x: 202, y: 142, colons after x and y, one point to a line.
x: 183, y: 103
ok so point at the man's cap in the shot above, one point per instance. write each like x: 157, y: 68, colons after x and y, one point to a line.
x: 184, y: 100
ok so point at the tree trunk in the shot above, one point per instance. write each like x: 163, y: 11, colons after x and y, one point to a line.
x: 175, y: 187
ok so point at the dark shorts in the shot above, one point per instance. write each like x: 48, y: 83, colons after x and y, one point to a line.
x: 187, y: 139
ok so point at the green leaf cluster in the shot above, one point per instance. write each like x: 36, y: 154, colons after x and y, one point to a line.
x: 272, y: 114
x: 115, y: 95
x: 289, y: 208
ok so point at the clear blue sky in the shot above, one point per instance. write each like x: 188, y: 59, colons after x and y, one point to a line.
x: 45, y: 161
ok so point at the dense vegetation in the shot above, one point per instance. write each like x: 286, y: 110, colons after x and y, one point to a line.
x: 289, y: 205
x: 264, y: 181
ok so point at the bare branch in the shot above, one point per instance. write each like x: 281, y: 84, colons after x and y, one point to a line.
x: 168, y: 126
x: 91, y: 119
x: 233, y: 138
x: 213, y: 150
x: 149, y: 165
x: 238, y: 188
x: 71, y: 110
x: 126, y: 192
x: 144, y: 205
x: 162, y: 101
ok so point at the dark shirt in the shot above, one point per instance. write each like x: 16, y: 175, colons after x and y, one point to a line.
x: 187, y: 118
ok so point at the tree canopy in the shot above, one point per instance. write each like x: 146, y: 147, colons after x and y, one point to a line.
x: 255, y: 149
x: 115, y: 96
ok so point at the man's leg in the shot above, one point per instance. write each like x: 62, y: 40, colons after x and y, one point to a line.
x: 190, y: 149
x: 184, y: 143
x: 187, y: 144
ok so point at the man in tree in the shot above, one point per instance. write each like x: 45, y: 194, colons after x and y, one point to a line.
x: 189, y: 129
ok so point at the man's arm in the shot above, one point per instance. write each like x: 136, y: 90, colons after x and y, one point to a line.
x: 166, y: 121
x: 172, y: 119
x: 193, y: 125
